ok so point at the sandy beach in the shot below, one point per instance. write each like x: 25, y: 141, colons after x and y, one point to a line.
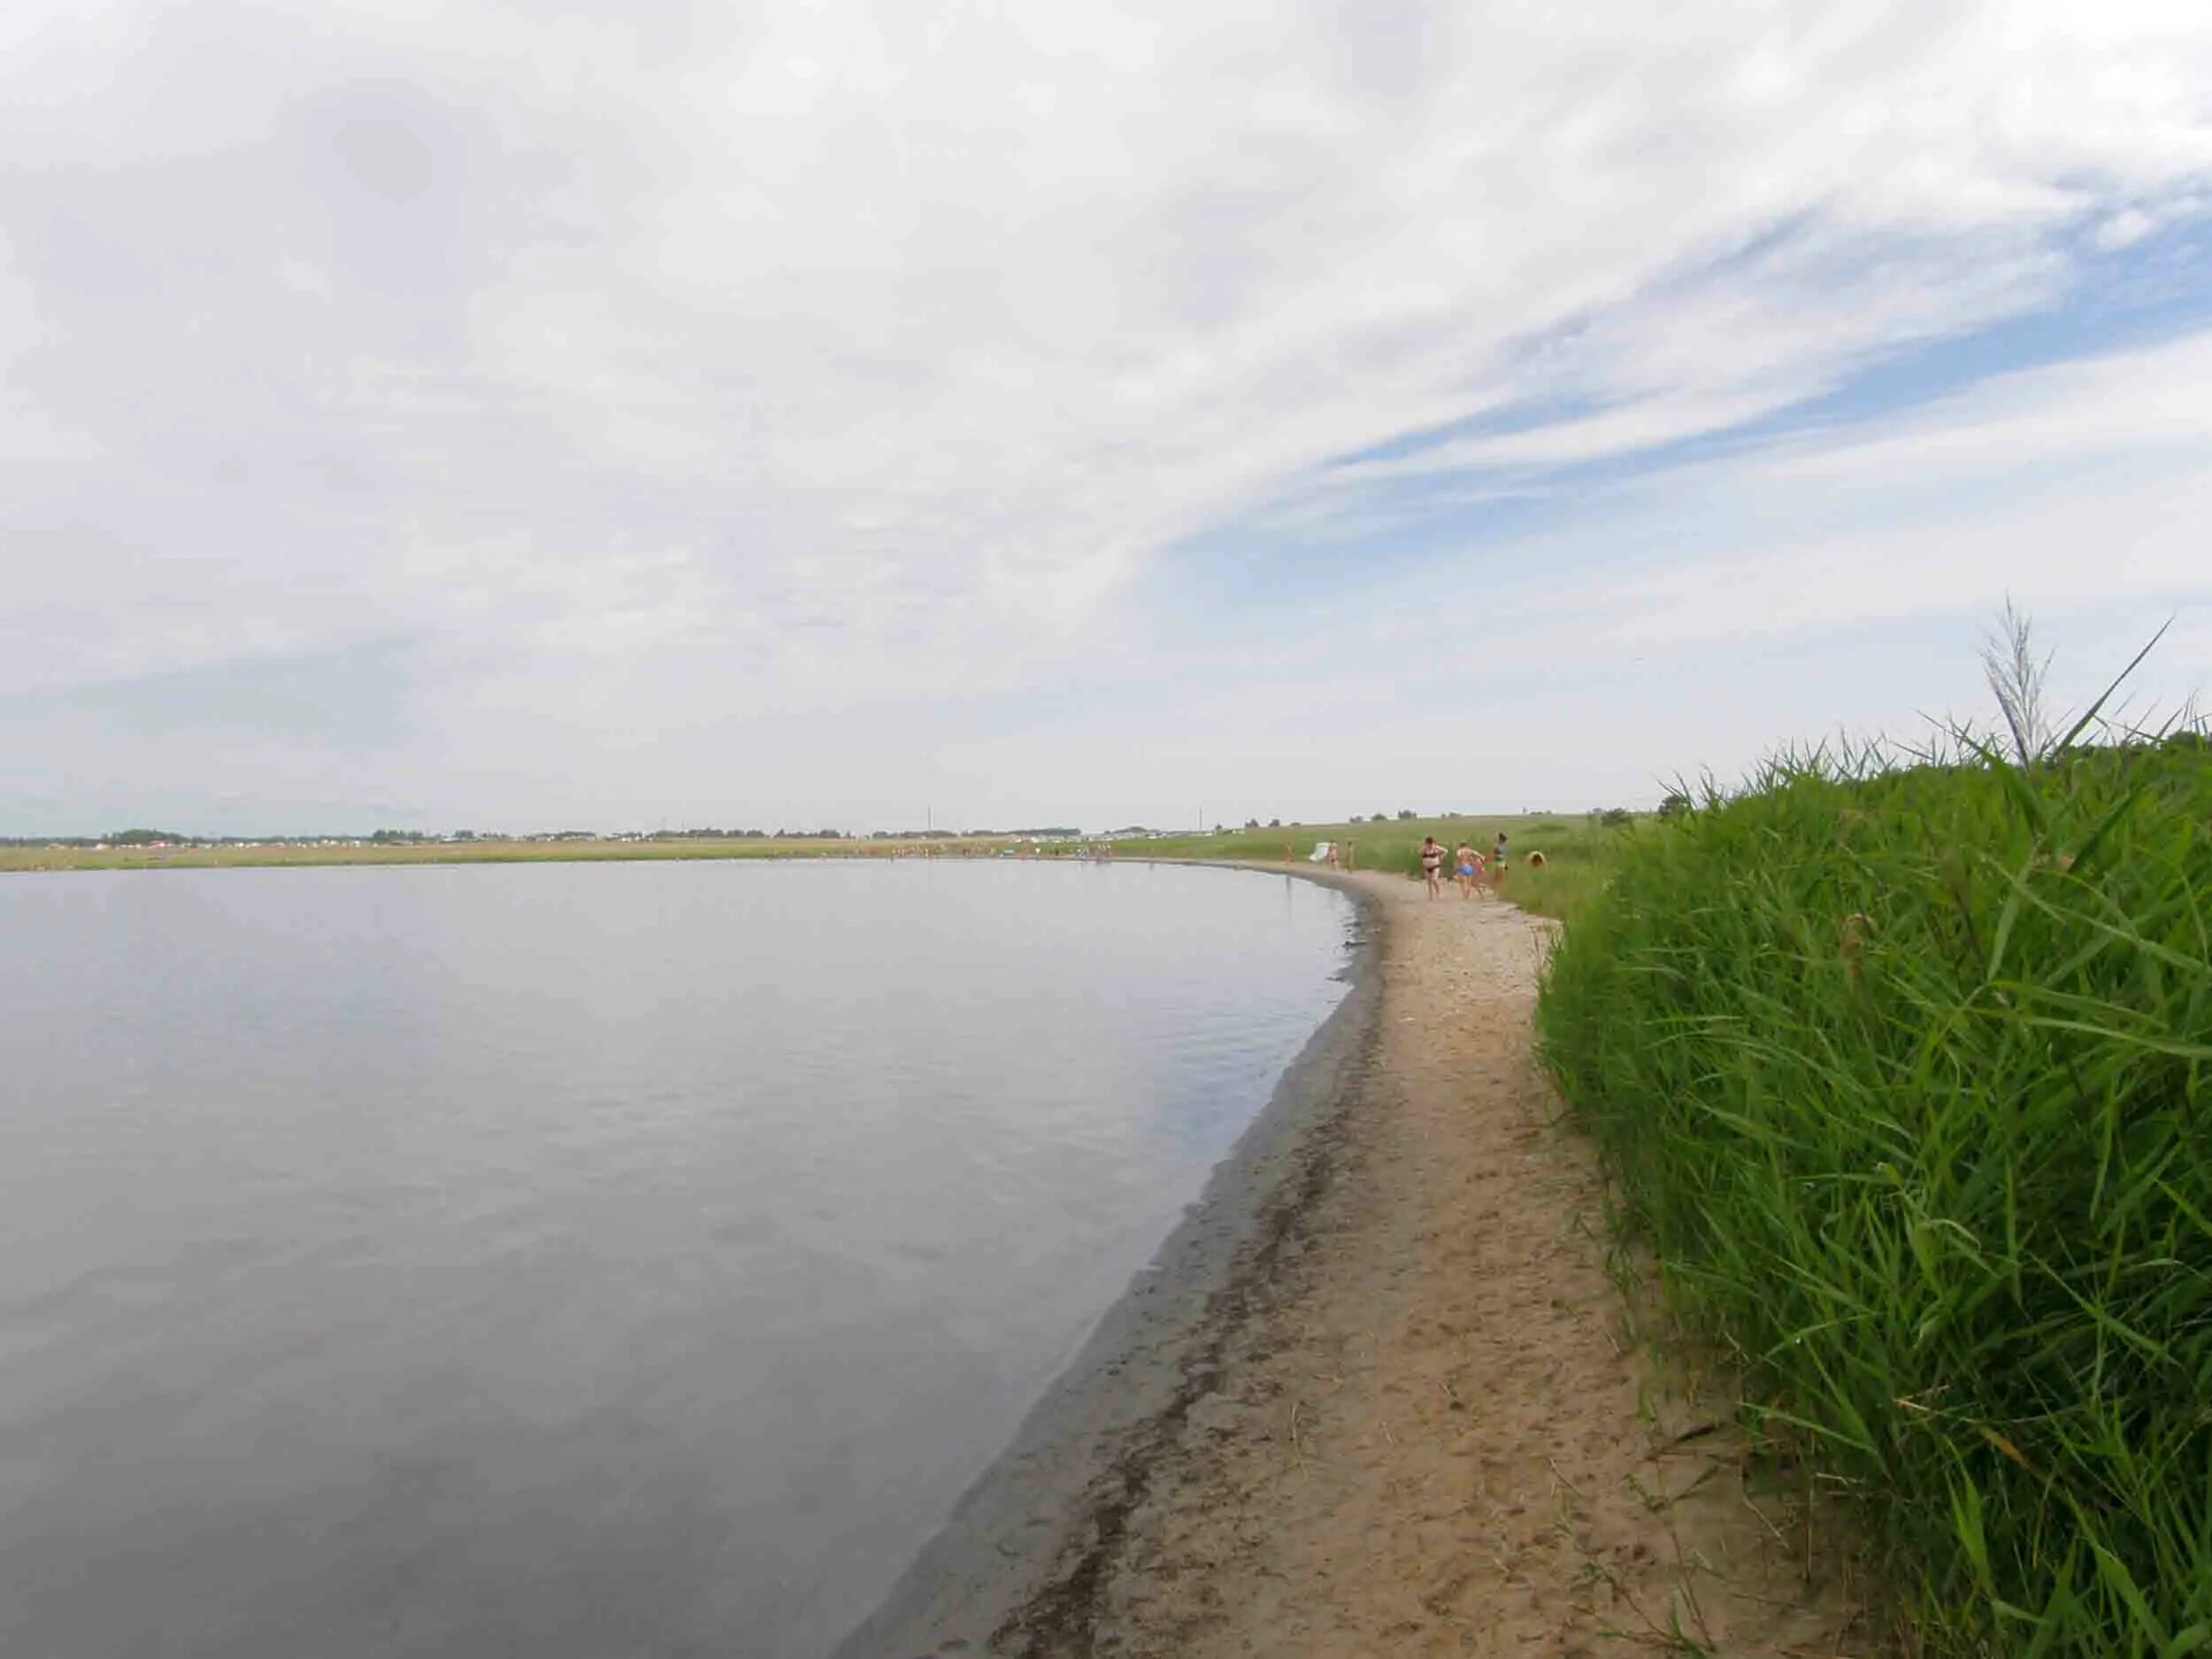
x: 1380, y: 1395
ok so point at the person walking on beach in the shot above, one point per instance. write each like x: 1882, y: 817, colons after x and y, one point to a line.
x: 1432, y: 865
x: 1497, y: 863
x: 1469, y: 865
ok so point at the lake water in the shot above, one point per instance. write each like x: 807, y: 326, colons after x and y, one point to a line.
x: 577, y: 1261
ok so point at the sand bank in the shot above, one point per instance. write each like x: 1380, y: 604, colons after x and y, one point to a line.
x: 1377, y: 1396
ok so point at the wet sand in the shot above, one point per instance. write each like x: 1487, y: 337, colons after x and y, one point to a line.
x: 1379, y: 1395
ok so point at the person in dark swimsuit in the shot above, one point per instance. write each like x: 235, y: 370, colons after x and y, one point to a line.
x: 1432, y: 865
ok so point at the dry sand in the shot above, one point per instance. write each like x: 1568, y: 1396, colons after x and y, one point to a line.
x: 1415, y: 1422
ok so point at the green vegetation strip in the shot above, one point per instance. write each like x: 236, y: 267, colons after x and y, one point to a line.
x: 1902, y: 1075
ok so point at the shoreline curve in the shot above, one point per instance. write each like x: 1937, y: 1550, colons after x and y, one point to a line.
x: 1022, y: 1557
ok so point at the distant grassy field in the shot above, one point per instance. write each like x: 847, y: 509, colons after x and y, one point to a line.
x: 1904, y: 1078
x: 1578, y: 853
x: 476, y: 852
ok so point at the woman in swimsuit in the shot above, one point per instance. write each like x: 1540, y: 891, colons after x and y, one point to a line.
x: 1432, y: 865
x: 1470, y: 868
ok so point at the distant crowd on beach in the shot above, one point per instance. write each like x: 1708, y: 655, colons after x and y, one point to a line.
x: 1473, y: 872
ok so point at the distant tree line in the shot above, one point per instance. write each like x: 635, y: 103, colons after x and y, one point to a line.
x: 120, y: 838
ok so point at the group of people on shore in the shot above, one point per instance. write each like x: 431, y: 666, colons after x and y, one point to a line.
x: 1470, y: 868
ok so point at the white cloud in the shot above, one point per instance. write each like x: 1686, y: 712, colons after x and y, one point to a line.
x: 1698, y: 617
x: 2071, y: 486
x: 824, y: 358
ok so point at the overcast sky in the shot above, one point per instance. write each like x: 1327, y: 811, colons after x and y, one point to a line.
x: 535, y: 415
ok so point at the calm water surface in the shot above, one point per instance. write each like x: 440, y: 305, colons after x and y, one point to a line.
x: 576, y: 1261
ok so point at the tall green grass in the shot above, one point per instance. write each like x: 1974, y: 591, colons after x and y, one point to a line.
x: 1902, y: 1073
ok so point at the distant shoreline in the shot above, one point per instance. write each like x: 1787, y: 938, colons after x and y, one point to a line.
x: 319, y: 855
x: 1576, y: 848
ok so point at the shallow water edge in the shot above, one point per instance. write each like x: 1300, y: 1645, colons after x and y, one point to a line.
x: 1023, y: 1546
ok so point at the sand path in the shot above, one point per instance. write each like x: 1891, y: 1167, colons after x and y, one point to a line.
x: 1426, y: 1431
